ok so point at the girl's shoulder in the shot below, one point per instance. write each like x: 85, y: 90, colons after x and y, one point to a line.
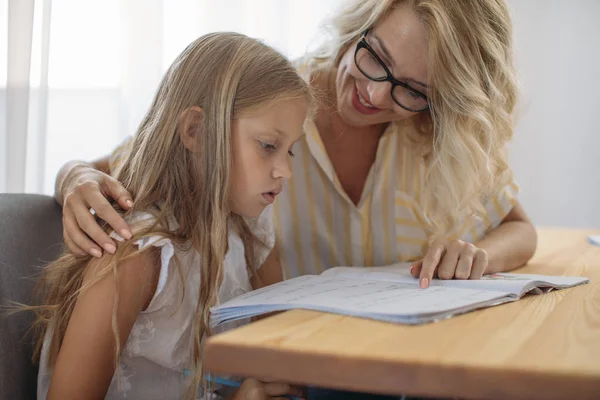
x: 158, y: 241
x: 151, y: 224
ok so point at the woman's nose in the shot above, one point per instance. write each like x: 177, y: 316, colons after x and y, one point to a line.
x: 379, y: 93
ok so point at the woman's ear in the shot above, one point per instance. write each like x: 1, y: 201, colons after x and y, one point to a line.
x: 191, y: 126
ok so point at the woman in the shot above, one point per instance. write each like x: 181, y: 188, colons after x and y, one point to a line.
x: 405, y: 159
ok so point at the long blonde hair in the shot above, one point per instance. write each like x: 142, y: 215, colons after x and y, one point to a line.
x: 472, y: 96
x: 225, y: 74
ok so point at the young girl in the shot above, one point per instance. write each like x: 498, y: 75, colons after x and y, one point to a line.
x: 213, y: 150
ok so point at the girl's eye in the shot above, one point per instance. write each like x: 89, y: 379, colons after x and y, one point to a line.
x: 267, y: 147
x: 291, y: 153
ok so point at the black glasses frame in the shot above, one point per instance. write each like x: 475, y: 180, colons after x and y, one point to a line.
x: 363, y: 44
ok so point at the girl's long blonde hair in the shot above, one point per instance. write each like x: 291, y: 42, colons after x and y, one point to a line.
x: 472, y: 96
x: 225, y: 74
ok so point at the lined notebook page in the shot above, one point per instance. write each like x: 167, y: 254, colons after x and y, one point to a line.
x: 364, y: 296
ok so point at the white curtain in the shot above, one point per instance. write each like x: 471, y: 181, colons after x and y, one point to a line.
x: 20, y: 103
x: 76, y: 76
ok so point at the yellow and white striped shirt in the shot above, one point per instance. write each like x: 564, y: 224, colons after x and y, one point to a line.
x: 318, y: 226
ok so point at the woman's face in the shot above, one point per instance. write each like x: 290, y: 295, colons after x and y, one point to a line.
x: 400, y: 40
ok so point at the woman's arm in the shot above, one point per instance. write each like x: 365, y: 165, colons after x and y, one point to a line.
x: 101, y: 164
x: 511, y: 244
x: 80, y: 187
x: 86, y: 360
x: 505, y: 248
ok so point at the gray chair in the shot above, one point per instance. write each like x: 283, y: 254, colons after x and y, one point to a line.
x: 30, y: 237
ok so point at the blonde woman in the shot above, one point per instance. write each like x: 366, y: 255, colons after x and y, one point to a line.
x: 213, y: 149
x: 405, y: 159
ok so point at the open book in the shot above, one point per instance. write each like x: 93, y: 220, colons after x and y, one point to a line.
x: 387, y: 294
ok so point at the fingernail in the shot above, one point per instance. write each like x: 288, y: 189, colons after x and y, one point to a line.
x: 110, y: 248
x: 96, y: 253
x: 125, y: 234
x: 411, y: 269
x: 424, y: 283
x: 129, y: 203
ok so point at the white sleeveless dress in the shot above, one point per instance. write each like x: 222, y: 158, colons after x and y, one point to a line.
x: 157, y: 359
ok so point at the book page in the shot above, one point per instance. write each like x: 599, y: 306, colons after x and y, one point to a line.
x: 362, y: 296
x: 520, y: 284
x: 514, y: 284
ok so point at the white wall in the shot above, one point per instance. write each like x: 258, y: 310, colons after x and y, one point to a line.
x: 556, y: 150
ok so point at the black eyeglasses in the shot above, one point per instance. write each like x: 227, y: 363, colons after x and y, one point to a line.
x: 371, y: 66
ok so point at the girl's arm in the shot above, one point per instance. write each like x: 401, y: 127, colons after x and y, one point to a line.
x: 85, y: 364
x: 269, y: 273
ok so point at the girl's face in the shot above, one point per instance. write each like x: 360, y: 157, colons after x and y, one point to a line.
x: 400, y: 40
x: 262, y: 142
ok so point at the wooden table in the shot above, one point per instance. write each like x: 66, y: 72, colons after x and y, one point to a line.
x: 545, y: 346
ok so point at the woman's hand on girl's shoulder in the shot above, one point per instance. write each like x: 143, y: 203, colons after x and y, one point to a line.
x: 86, y: 188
